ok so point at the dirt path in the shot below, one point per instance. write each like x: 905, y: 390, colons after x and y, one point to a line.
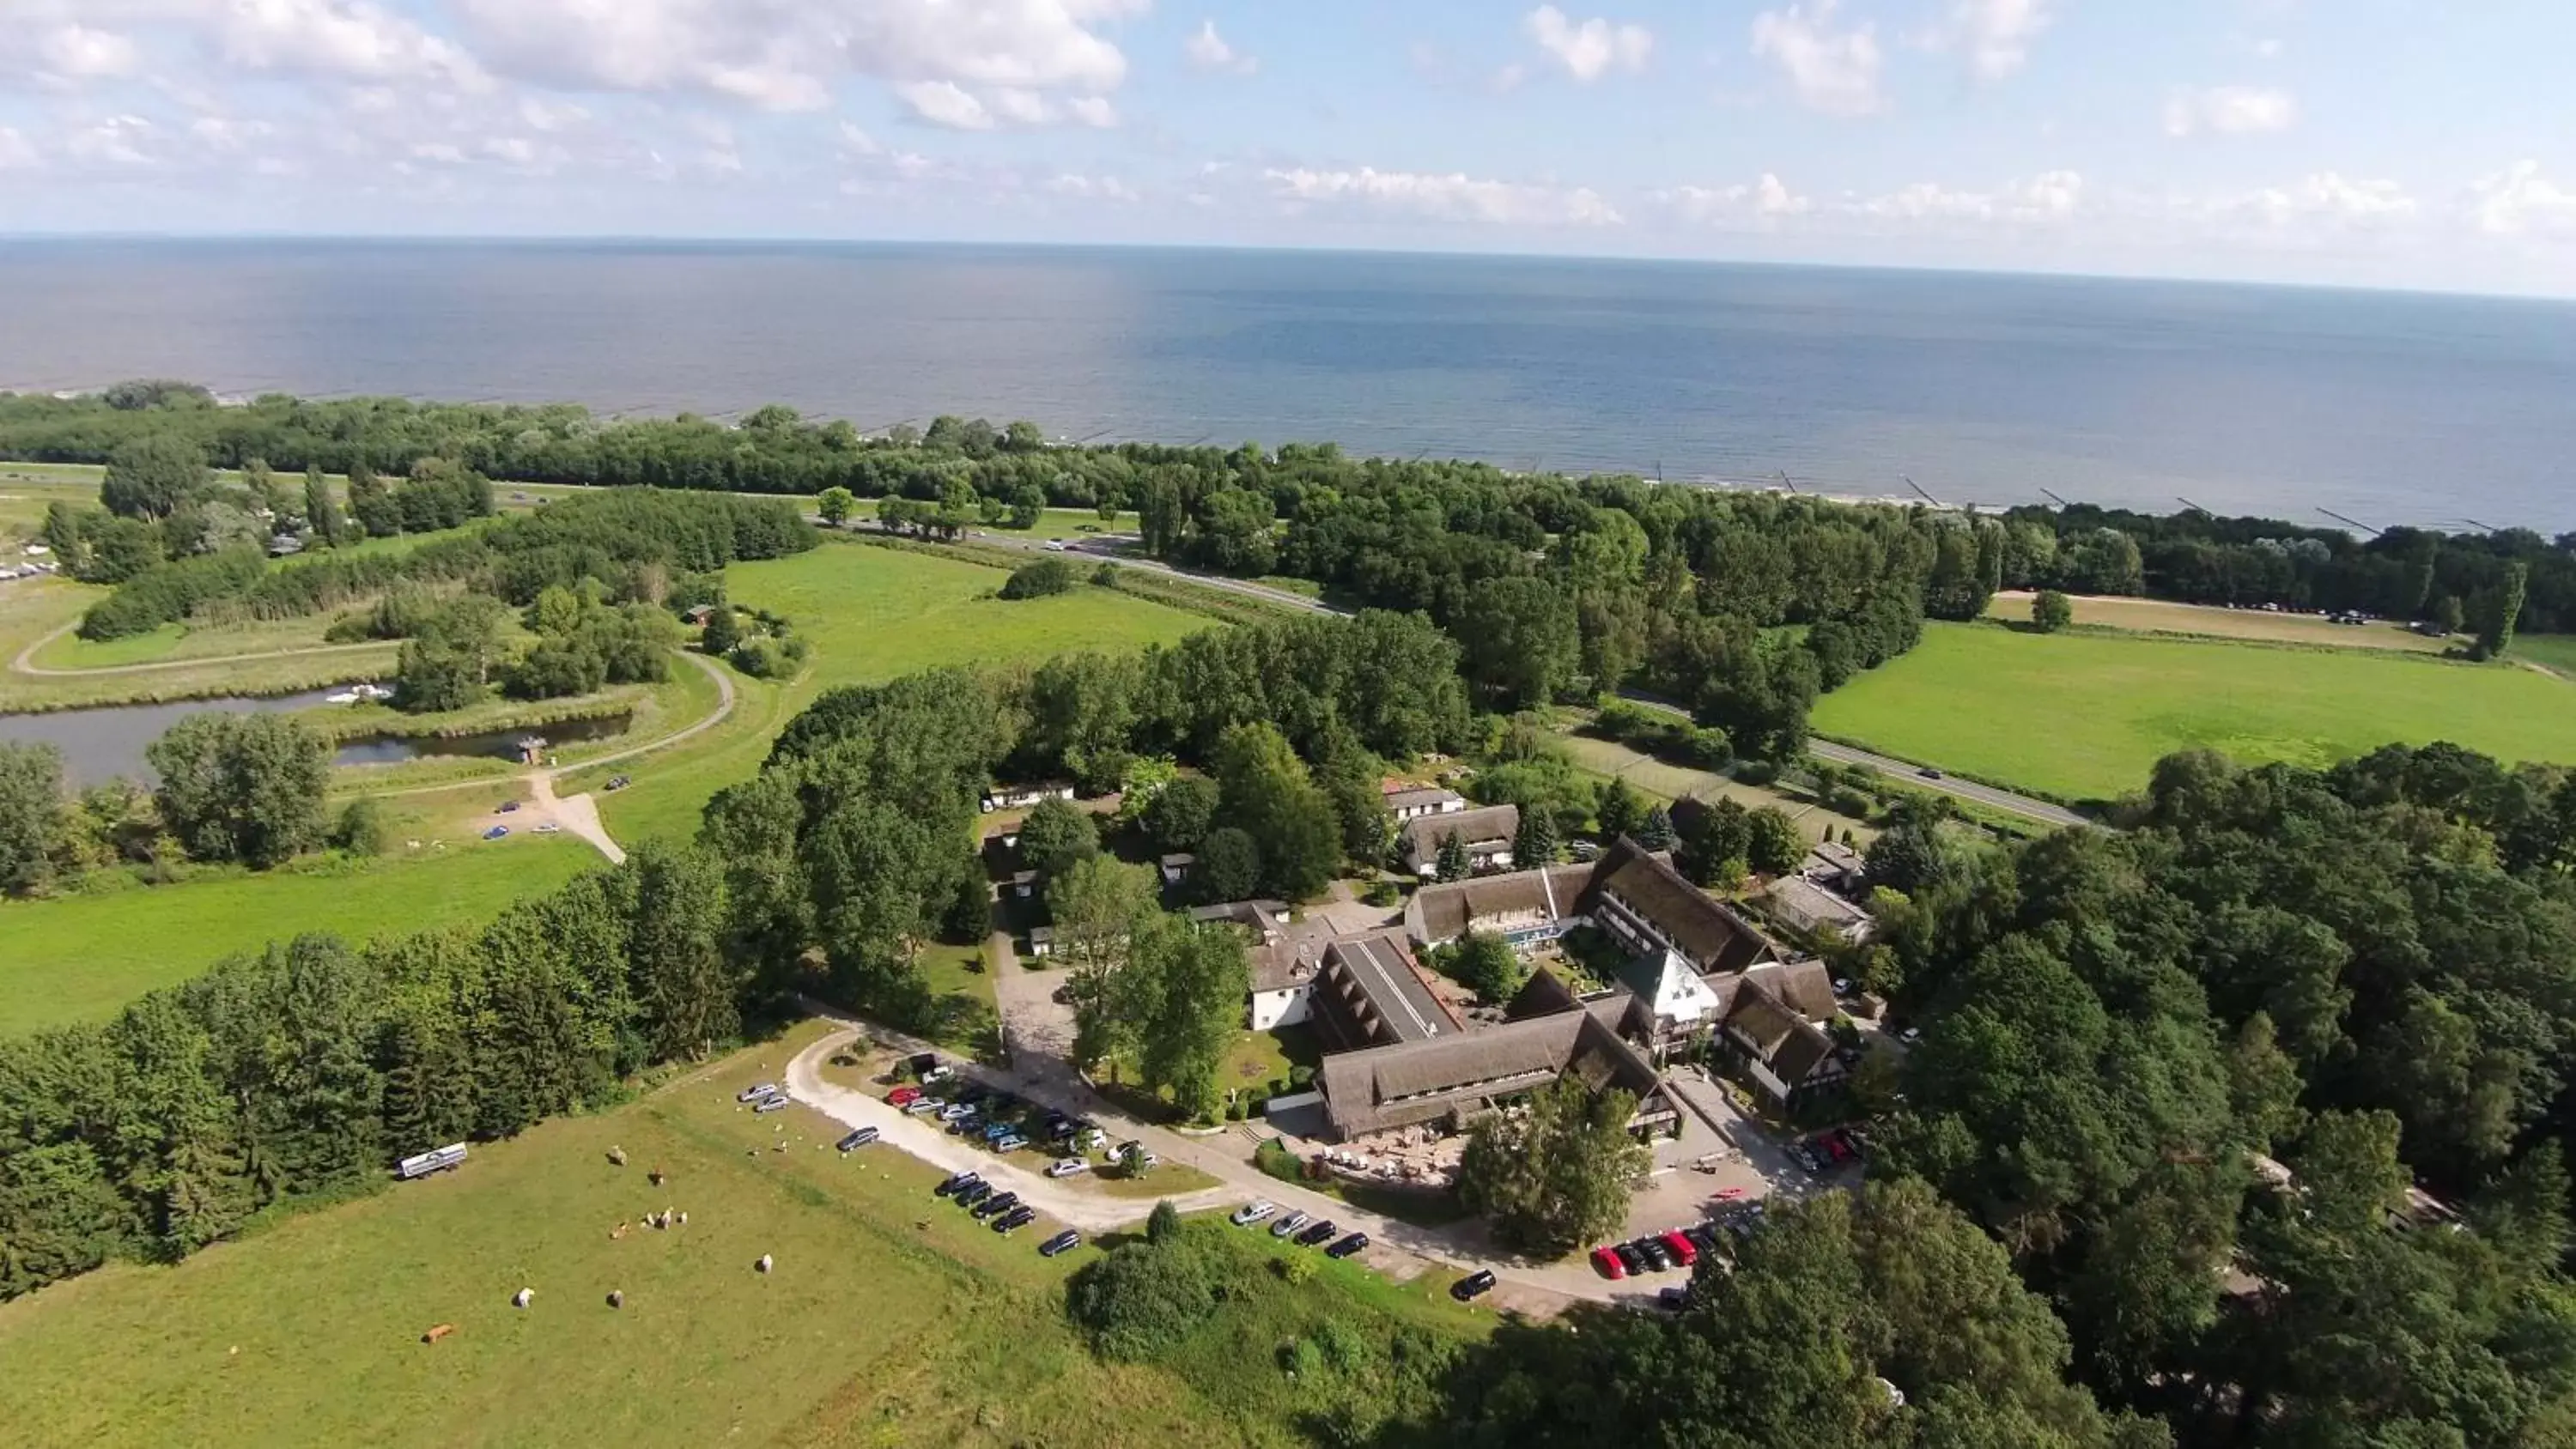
x: 25, y: 662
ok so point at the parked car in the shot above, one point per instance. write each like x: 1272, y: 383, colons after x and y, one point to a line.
x: 754, y: 1094
x: 924, y: 1106
x: 1658, y: 1257
x: 1089, y: 1139
x: 903, y: 1096
x: 1067, y: 1167
x: 1011, y: 1142
x: 1140, y: 1160
x: 956, y: 1112
x: 1319, y: 1234
x: 996, y: 1131
x: 506, y: 807
x: 1290, y: 1224
x: 1729, y: 1194
x: 769, y: 1104
x: 1684, y: 1251
x: 1016, y: 1219
x: 992, y: 1206
x: 1063, y: 1242
x: 496, y: 832
x: 1703, y: 1236
x: 1629, y: 1258
x: 548, y: 827
x: 1474, y: 1286
x: 1253, y: 1212
x: 1674, y: 1299
x: 858, y: 1139
x: 1607, y: 1262
x: 973, y: 1193
x: 617, y: 782
x: 1347, y: 1246
x: 956, y: 1184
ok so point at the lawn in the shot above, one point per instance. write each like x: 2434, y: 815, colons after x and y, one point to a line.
x: 81, y: 957
x: 875, y: 614
x: 2551, y: 651
x: 888, y: 1319
x: 2086, y: 716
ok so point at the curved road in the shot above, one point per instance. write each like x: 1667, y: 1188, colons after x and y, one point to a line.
x: 1393, y: 1245
x: 1986, y: 795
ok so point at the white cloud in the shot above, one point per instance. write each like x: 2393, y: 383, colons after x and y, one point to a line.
x: 352, y: 39
x: 15, y: 150
x: 1592, y: 49
x: 2049, y: 198
x: 946, y: 103
x: 76, y: 52
x: 1452, y: 197
x: 1832, y: 71
x: 113, y: 141
x: 1768, y: 200
x: 2520, y: 202
x: 1104, y: 188
x: 1994, y: 35
x: 1208, y: 51
x: 2229, y: 111
x: 855, y: 142
x: 788, y: 54
x: 1096, y: 112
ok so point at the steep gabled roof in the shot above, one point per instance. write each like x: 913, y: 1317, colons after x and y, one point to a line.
x: 1485, y: 824
x: 1713, y: 936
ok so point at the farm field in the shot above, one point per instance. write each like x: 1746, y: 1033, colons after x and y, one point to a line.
x: 2159, y: 616
x: 889, y: 1318
x: 874, y: 614
x: 82, y: 957
x: 2087, y: 715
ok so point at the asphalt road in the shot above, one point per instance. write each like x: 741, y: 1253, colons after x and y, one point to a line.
x: 1986, y: 795
x: 1098, y: 548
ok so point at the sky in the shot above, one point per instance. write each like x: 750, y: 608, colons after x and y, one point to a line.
x: 2405, y: 143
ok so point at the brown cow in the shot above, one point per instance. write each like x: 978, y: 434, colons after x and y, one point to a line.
x: 437, y: 1333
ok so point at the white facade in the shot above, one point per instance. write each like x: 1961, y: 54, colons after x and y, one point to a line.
x: 1287, y: 1006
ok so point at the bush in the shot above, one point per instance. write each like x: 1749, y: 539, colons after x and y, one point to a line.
x: 1144, y: 1299
x: 1383, y: 893
x: 362, y: 829
x: 1294, y: 1270
x: 2051, y: 611
x: 1301, y: 1076
x: 1757, y: 772
x: 1037, y: 580
x: 1163, y: 1224
x: 1278, y: 1161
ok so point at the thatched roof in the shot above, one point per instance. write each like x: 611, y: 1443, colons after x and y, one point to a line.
x: 1714, y: 937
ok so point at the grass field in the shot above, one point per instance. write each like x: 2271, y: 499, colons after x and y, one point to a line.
x: 2550, y: 651
x: 1668, y: 781
x: 890, y: 1318
x: 2086, y: 716
x: 2157, y: 616
x: 80, y: 958
x: 874, y: 614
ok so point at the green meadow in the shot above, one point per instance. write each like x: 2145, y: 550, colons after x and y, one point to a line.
x: 2086, y: 716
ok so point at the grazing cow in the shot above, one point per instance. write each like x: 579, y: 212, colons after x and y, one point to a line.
x: 520, y: 1298
x: 617, y: 1155
x: 656, y: 1177
x: 684, y: 1220
x: 438, y: 1332
x: 616, y: 1298
x: 764, y: 1264
x: 617, y: 1232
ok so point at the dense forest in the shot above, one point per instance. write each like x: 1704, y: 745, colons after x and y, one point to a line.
x: 1217, y: 502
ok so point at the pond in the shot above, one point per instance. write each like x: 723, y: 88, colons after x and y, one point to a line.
x: 108, y: 741
x: 494, y: 744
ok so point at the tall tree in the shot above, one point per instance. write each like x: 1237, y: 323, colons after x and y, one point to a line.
x: 31, y: 812
x: 1268, y: 791
x: 1558, y: 1172
x: 153, y: 476
x: 322, y: 512
x: 1056, y: 834
x: 1522, y: 639
x: 1098, y: 906
x: 1183, y: 993
x: 242, y: 787
x: 686, y: 987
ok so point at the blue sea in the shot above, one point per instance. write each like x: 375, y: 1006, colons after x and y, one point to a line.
x: 2385, y: 408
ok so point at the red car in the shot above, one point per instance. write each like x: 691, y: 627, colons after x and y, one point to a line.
x: 1608, y: 1263
x: 903, y: 1096
x: 1729, y: 1194
x: 1683, y: 1248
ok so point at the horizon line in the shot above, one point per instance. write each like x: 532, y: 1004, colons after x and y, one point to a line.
x: 639, y: 239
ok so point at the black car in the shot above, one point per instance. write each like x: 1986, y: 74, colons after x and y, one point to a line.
x: 993, y: 1206
x: 1703, y: 1236
x: 1320, y: 1233
x: 973, y: 1193
x: 1016, y: 1219
x: 1629, y: 1258
x: 1657, y: 1253
x: 957, y: 1184
x: 971, y: 1122
x: 858, y: 1139
x: 1063, y: 1242
x: 1347, y: 1246
x: 1674, y: 1298
x: 1474, y: 1286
